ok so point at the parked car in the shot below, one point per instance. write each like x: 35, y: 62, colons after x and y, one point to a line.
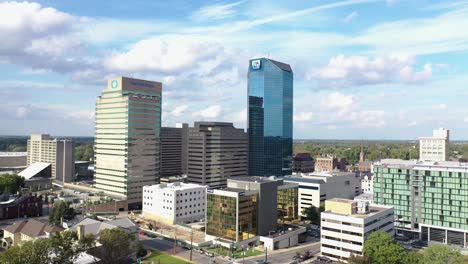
x: 209, y: 254
x: 199, y: 250
x: 142, y: 233
x: 259, y: 261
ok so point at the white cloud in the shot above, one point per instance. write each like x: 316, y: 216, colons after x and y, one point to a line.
x: 465, y: 120
x: 38, y: 37
x: 439, y: 107
x: 350, y: 17
x: 369, y: 118
x: 215, y: 12
x: 303, y: 116
x: 179, y: 110
x: 331, y: 127
x: 211, y: 112
x: 363, y: 70
x: 21, y: 111
x: 338, y: 104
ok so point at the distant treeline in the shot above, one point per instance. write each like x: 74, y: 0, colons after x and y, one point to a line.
x: 373, y: 149
x: 83, y: 145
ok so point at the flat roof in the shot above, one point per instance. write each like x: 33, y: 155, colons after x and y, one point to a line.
x: 10, y: 154
x: 254, y: 179
x: 175, y: 186
x: 304, y: 180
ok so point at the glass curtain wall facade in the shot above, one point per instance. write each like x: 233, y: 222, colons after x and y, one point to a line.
x: 270, y: 117
x: 127, y: 139
x: 287, y: 203
x: 231, y: 218
x: 221, y: 216
x: 428, y: 199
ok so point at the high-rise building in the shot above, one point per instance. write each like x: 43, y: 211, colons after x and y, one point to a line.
x: 127, y: 141
x: 270, y: 117
x: 346, y: 224
x: 60, y: 154
x: 216, y: 151
x: 430, y: 198
x: 174, y: 150
x: 435, y: 148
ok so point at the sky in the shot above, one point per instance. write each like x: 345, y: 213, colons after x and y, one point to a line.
x: 363, y: 69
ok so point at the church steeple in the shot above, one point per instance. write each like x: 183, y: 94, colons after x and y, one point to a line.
x: 362, y: 155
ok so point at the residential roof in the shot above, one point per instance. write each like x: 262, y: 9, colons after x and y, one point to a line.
x: 32, y: 228
x: 93, y: 227
x: 33, y: 169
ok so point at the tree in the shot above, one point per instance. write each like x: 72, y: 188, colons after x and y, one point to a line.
x: 356, y: 259
x: 117, y: 245
x: 11, y: 183
x: 60, y: 212
x: 32, y: 211
x: 414, y: 257
x: 441, y: 254
x: 60, y: 248
x: 312, y: 214
x: 30, y: 252
x: 381, y: 249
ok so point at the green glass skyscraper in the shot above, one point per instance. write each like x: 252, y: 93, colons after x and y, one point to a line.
x: 270, y: 117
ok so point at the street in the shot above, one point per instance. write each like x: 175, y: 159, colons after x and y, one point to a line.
x: 278, y: 256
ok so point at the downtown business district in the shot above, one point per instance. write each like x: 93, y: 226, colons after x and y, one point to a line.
x: 246, y: 189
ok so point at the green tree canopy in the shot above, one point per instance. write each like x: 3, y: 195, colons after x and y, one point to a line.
x: 442, y: 254
x: 84, y: 152
x: 312, y: 214
x: 11, y: 183
x: 382, y: 249
x: 117, y: 246
x: 61, y: 211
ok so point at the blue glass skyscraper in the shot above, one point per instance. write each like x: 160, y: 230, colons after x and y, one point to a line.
x: 270, y: 117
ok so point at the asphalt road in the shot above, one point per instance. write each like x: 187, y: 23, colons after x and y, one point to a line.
x: 281, y: 256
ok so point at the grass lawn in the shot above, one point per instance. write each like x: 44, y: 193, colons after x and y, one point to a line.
x: 237, y: 254
x: 161, y: 258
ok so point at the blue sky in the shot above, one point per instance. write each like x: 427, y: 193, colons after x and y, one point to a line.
x: 363, y: 69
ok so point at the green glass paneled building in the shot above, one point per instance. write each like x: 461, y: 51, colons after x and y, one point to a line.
x: 430, y: 199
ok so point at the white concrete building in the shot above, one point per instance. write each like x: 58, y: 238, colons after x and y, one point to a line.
x: 346, y: 224
x: 315, y: 188
x: 174, y: 202
x: 367, y: 185
x: 435, y: 148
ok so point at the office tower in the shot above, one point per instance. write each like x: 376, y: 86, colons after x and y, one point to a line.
x: 435, y: 148
x: 346, y: 224
x: 216, y: 151
x: 173, y: 150
x: 60, y: 154
x: 250, y: 207
x: 174, y: 203
x: 127, y: 143
x: 430, y: 198
x: 270, y: 117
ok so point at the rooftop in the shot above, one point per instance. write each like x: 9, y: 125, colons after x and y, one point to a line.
x: 8, y: 154
x: 256, y: 179
x: 175, y: 186
x: 304, y: 180
x: 33, y: 169
x: 32, y: 228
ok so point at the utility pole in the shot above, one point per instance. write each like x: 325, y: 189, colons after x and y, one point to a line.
x: 175, y: 240
x: 266, y: 255
x: 191, y: 243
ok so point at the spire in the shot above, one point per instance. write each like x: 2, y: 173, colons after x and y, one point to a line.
x: 362, y: 155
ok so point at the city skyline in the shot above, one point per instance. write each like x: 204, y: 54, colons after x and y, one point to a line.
x: 393, y: 74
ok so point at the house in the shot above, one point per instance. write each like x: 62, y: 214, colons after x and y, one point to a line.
x: 93, y: 227
x: 27, y: 230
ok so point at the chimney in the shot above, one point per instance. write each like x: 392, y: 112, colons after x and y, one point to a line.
x: 80, y: 231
